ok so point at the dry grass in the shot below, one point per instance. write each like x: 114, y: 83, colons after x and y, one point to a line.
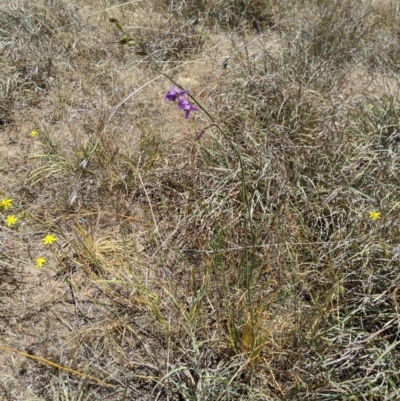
x: 241, y: 266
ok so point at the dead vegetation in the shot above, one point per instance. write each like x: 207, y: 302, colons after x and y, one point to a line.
x: 241, y: 266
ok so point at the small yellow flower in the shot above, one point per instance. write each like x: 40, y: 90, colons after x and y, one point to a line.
x: 374, y: 215
x: 33, y: 133
x: 49, y: 239
x: 6, y: 203
x: 11, y: 220
x: 40, y: 262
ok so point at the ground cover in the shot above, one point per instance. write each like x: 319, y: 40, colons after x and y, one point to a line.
x: 247, y: 252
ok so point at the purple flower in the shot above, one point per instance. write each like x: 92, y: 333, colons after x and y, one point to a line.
x: 174, y: 93
x: 183, y: 104
x: 186, y: 106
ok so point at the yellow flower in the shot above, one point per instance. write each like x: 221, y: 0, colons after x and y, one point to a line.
x: 33, y: 133
x: 11, y: 220
x: 6, y: 203
x: 49, y: 239
x: 40, y: 262
x: 374, y: 215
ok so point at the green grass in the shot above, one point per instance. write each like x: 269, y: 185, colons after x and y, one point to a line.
x: 241, y: 266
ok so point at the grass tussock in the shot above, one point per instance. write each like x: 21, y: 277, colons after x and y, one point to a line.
x: 259, y: 261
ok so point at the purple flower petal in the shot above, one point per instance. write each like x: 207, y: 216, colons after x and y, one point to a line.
x: 182, y: 103
x: 187, y: 107
x: 174, y: 93
x: 187, y: 111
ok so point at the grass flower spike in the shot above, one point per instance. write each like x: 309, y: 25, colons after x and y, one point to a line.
x: 6, y: 203
x: 49, y: 239
x: 40, y: 262
x: 11, y: 220
x: 374, y: 215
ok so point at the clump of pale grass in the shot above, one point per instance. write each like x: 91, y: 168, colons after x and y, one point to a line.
x: 225, y: 13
